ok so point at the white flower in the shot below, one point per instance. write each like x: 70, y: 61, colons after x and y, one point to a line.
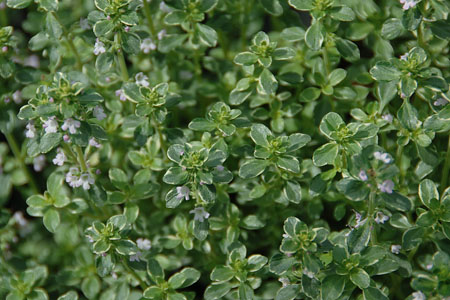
x: 183, y: 192
x: 60, y: 157
x: 31, y: 130
x: 285, y: 235
x: 141, y: 79
x: 71, y: 125
x: 73, y: 177
x: 387, y: 117
x: 438, y: 102
x: 17, y: 97
x: 429, y: 266
x: 284, y: 281
x: 39, y: 163
x: 32, y: 61
x: 86, y: 180
x: 418, y: 296
x: 143, y: 244
x: 121, y: 95
x: 407, y: 4
x: 200, y: 214
x: 161, y: 34
x: 99, y: 113
x: 363, y: 175
x: 404, y: 56
x: 381, y: 218
x: 396, y: 249
x: 164, y: 8
x: 387, y: 186
x: 359, y: 222
x: 99, y: 47
x: 136, y: 257
x: 20, y: 219
x: 50, y: 126
x: 147, y: 45
x: 384, y: 157
x: 93, y: 142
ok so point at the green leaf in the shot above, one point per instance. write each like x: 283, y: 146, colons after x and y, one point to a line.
x: 330, y: 124
x: 222, y: 273
x: 273, y: 7
x: 253, y: 168
x: 125, y: 247
x: 288, y: 292
x: 267, y: 83
x: 385, y: 71
x: 153, y: 292
x: 297, y: 141
x: 348, y: 49
x: 217, y: 291
x: 49, y: 141
x: 154, y: 269
x: 326, y: 154
x: 103, y: 28
x: 359, y: 238
x: 408, y: 86
x: 176, y: 176
x: 70, y: 295
x: 245, y: 292
x: 280, y: 263
x: 51, y: 220
x: 184, y: 278
x: 245, y: 58
x: 301, y: 4
x: 201, y: 124
x: 412, y: 238
x: 372, y: 293
x: 440, y: 28
x: 314, y: 37
x: 207, y: 35
x: 259, y: 134
x: 392, y: 28
x: 49, y: 5
x: 175, y: 17
x: 332, y: 287
x: 256, y: 262
x: 104, y: 62
x: 91, y: 287
x: 310, y: 94
x: 353, y: 189
x: 427, y: 192
x: 283, y: 53
x: 54, y: 29
x: 288, y: 163
x: 18, y: 4
x: 252, y: 222
x: 407, y: 116
x: 342, y: 13
x: 336, y: 76
x: 397, y: 201
x: 360, y: 278
x: 293, y: 192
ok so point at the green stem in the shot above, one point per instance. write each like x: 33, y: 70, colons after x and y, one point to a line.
x: 446, y: 169
x: 244, y: 21
x: 161, y: 138
x: 18, y: 155
x: 398, y: 157
x: 148, y: 15
x: 70, y: 42
x: 81, y: 159
x: 134, y: 274
x: 122, y: 63
x: 326, y: 60
x: 371, y: 211
x: 3, y: 17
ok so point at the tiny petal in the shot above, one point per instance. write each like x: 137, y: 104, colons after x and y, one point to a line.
x: 386, y: 187
x: 183, y: 192
x: 39, y: 163
x: 99, y: 113
x: 147, y: 45
x: 200, y: 214
x: 60, y: 158
x: 142, y: 79
x: 143, y: 244
x: 396, y: 249
x: 71, y: 125
x: 381, y: 218
x: 99, y: 47
x: 363, y: 175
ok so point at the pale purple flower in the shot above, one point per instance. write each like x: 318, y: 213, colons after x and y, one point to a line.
x: 136, y: 257
x: 381, y: 218
x: 147, y: 45
x: 363, y: 175
x: 127, y: 28
x: 50, y: 125
x: 66, y: 138
x: 32, y: 61
x: 39, y: 163
x: 93, y: 142
x: 384, y: 157
x: 99, y: 47
x: 5, y: 49
x: 99, y: 113
x: 142, y: 79
x: 438, y: 102
x: 164, y: 8
x: 418, y: 296
x: 407, y: 4
x: 284, y: 281
x: 183, y: 192
x: 386, y: 187
x: 396, y: 249
x: 84, y: 24
x: 60, y: 157
x: 359, y: 220
x: 220, y: 168
x: 121, y: 95
x: 2, y: 5
x: 20, y: 219
x: 31, y: 130
x: 17, y: 97
x: 144, y: 244
x: 429, y: 266
x: 86, y: 180
x: 387, y: 117
x: 200, y: 214
x: 404, y: 56
x: 161, y: 34
x: 71, y: 125
x: 73, y: 177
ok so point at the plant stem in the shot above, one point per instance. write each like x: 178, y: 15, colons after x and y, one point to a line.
x: 446, y: 169
x: 398, y: 156
x: 122, y: 63
x: 18, y: 155
x: 244, y: 19
x: 81, y: 159
x: 371, y: 210
x: 161, y: 138
x: 70, y: 42
x: 148, y: 15
x: 134, y: 274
